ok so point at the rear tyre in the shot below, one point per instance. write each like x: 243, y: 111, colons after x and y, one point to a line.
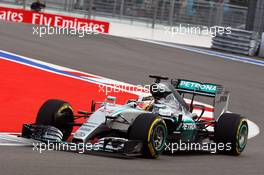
x: 57, y: 113
x: 231, y: 129
x: 152, y: 131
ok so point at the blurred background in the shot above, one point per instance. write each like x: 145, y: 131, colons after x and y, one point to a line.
x: 245, y: 17
x: 231, y: 13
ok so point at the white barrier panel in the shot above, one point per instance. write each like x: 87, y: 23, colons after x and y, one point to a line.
x: 158, y: 34
x: 238, y: 41
x: 261, y: 48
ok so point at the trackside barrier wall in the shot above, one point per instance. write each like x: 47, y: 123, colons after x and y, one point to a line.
x: 120, y: 28
x: 238, y: 41
x: 261, y: 48
x: 153, y: 12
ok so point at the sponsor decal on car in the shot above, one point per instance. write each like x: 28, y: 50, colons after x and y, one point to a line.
x: 196, y: 86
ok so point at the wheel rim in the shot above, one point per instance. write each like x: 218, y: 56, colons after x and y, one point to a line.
x: 159, y: 134
x: 242, y: 138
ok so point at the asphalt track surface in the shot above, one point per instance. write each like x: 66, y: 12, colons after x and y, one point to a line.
x: 132, y: 61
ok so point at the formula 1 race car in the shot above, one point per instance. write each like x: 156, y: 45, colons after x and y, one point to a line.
x: 123, y: 129
x: 133, y: 129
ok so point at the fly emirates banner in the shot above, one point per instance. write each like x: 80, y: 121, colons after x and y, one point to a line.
x: 47, y: 19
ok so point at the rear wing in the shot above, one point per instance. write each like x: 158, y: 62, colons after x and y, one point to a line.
x: 195, y: 87
x: 218, y: 92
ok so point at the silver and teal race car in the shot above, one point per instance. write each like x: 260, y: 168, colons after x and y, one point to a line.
x: 147, y: 126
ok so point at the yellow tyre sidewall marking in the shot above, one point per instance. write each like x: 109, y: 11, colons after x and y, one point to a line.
x: 150, y: 145
x: 65, y: 106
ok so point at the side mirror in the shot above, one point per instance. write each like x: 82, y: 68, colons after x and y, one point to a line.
x: 160, y: 106
x: 165, y: 112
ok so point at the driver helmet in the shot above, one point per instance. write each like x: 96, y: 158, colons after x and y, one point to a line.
x: 145, y: 102
x: 159, y: 90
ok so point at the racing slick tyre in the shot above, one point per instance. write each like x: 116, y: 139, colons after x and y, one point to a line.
x: 152, y: 131
x: 57, y: 113
x: 231, y: 129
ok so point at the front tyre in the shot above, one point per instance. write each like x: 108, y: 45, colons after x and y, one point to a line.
x: 152, y: 131
x: 232, y: 129
x: 57, y: 113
